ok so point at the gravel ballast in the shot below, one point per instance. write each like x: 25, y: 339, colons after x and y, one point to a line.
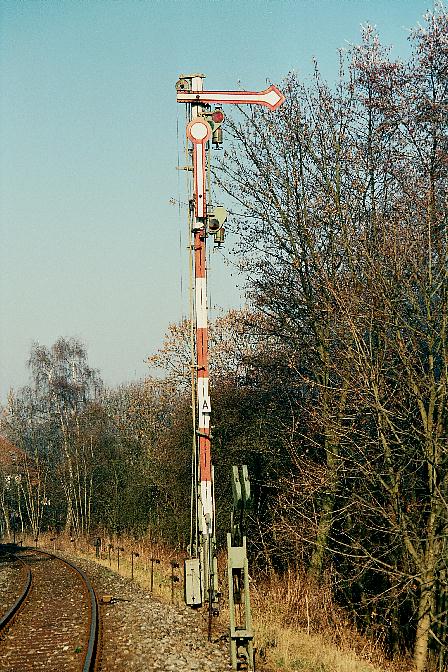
x: 141, y: 633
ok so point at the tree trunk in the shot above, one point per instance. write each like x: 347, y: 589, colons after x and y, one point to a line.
x: 5, y: 510
x: 317, y: 560
x: 423, y: 627
x: 427, y: 601
x: 69, y: 516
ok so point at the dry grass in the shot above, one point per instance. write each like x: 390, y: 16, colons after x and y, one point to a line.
x: 297, y: 625
x: 162, y: 570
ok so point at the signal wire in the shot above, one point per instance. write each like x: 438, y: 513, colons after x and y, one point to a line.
x: 179, y: 217
x: 194, y: 531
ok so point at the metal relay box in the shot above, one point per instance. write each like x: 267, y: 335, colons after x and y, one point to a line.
x: 192, y: 582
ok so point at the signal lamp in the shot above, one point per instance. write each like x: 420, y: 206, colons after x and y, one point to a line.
x: 216, y: 219
x: 217, y: 119
x: 219, y: 237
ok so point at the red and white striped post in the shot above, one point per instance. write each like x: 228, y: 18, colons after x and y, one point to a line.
x: 199, y: 131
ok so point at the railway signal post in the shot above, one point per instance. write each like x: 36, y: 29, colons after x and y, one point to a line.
x: 203, y: 130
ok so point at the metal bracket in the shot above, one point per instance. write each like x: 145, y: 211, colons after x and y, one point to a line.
x: 241, y: 632
x: 205, y: 436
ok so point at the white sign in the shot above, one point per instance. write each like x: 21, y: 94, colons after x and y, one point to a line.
x: 199, y: 132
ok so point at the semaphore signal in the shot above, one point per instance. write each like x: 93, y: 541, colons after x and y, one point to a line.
x: 201, y: 575
x: 271, y: 97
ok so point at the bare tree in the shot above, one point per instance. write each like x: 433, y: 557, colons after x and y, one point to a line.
x: 341, y: 200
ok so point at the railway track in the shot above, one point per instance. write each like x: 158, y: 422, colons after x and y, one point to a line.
x: 50, y: 613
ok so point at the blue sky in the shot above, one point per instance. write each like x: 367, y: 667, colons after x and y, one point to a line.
x: 90, y: 131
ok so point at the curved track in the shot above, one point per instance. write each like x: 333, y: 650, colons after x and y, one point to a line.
x: 51, y: 622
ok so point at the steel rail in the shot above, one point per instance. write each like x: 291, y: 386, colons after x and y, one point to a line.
x: 12, y: 611
x: 91, y: 649
x: 92, y: 645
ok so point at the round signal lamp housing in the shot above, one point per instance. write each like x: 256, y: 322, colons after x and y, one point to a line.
x: 218, y: 116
